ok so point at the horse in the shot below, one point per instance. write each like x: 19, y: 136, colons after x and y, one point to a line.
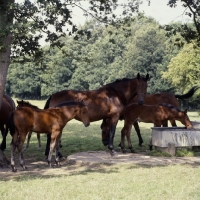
x: 107, y: 102
x: 164, y: 97
x: 50, y: 121
x: 23, y: 103
x: 7, y: 107
x: 156, y: 114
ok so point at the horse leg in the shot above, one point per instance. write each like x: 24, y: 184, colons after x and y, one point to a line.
x: 128, y: 134
x: 39, y: 141
x: 52, y: 147
x: 19, y: 147
x: 137, y: 129
x: 111, y: 138
x: 4, y: 132
x: 48, y: 148
x: 13, y: 146
x: 173, y: 123
x: 48, y: 145
x: 28, y: 140
x: 124, y: 132
x: 57, y: 158
x: 112, y: 128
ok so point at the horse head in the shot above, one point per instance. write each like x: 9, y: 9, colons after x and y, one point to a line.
x: 84, y: 116
x: 186, y: 121
x: 141, y: 88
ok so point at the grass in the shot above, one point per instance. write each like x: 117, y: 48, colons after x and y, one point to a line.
x: 100, y: 181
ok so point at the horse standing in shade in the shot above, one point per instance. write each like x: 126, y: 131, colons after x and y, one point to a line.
x: 7, y: 107
x: 156, y: 114
x: 164, y: 97
x: 50, y: 121
x: 107, y: 102
x: 23, y: 103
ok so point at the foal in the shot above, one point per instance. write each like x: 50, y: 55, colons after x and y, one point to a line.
x: 23, y: 103
x: 50, y: 121
x: 156, y: 114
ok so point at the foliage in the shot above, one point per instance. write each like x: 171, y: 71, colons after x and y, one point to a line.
x: 189, y: 32
x: 184, y: 69
x: 88, y: 63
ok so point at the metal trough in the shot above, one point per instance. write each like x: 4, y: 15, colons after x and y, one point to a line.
x: 163, y: 137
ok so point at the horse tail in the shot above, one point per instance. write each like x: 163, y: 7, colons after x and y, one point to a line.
x: 47, y: 103
x: 11, y: 125
x: 188, y: 94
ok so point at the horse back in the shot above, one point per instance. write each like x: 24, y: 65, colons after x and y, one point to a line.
x: 164, y: 97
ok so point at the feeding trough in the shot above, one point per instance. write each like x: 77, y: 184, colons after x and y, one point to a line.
x: 168, y: 138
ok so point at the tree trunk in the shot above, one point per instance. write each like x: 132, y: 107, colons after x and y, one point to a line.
x: 6, y: 21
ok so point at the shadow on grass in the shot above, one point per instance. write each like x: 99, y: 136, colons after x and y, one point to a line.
x: 76, y: 138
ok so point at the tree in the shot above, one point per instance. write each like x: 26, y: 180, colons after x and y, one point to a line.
x: 187, y: 31
x: 184, y: 69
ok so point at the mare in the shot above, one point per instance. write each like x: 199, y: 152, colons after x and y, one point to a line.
x: 23, y: 103
x: 155, y: 99
x: 156, y: 114
x: 7, y: 107
x: 50, y: 121
x: 107, y: 102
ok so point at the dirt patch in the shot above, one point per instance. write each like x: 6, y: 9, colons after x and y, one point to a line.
x: 91, y: 159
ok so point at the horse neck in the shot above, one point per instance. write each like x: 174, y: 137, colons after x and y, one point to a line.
x: 126, y: 90
x: 69, y: 112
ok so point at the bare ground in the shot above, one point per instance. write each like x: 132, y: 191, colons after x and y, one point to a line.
x: 91, y: 159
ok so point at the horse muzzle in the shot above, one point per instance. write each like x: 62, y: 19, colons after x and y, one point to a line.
x: 87, y: 124
x: 105, y: 142
x: 140, y: 102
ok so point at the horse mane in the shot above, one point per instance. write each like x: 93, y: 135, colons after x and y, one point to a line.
x: 27, y: 103
x: 70, y: 103
x: 170, y: 106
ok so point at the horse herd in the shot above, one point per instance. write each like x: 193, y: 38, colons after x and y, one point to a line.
x: 122, y: 99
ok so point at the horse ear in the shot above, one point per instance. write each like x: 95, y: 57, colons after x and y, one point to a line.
x: 185, y: 111
x: 138, y: 76
x: 147, y: 77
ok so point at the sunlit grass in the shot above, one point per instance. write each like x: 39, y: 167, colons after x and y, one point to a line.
x: 99, y: 181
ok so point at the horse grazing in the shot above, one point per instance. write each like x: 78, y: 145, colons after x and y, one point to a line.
x: 156, y: 114
x: 107, y: 102
x: 7, y: 107
x: 164, y: 97
x: 50, y: 121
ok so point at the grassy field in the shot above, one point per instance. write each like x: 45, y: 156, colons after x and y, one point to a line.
x: 100, y: 181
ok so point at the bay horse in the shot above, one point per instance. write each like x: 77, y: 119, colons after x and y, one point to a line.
x: 107, y: 102
x: 23, y: 103
x: 156, y: 114
x: 50, y: 121
x: 7, y: 107
x: 164, y: 97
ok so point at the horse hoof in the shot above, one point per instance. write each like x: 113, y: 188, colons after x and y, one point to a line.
x: 132, y: 151
x: 124, y: 151
x: 61, y: 158
x: 14, y: 169
x: 113, y: 153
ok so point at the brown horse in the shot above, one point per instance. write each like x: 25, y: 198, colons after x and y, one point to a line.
x: 50, y: 121
x: 23, y: 103
x: 164, y: 97
x: 107, y: 102
x: 7, y: 107
x: 156, y: 114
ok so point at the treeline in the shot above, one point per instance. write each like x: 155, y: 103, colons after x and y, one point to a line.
x: 110, y: 53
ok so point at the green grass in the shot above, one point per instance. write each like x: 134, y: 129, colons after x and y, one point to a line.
x: 99, y: 181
